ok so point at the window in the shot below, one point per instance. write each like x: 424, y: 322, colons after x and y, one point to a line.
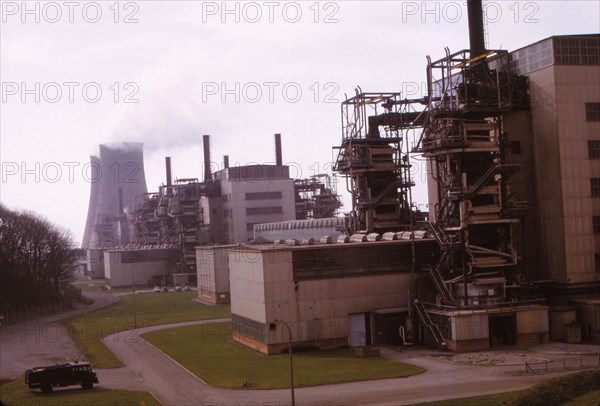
x: 596, y: 224
x: 595, y: 184
x: 594, y: 148
x: 261, y: 211
x: 263, y: 196
x: 592, y: 111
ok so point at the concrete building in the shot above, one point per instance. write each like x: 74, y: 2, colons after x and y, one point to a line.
x: 328, y: 294
x: 213, y: 273
x: 139, y: 267
x: 357, y: 294
x: 254, y: 194
x: 559, y: 150
x: 564, y: 83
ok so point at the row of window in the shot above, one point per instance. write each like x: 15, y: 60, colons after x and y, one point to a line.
x: 263, y: 196
x: 263, y: 211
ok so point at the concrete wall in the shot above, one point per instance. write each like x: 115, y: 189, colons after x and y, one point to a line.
x: 532, y: 326
x: 559, y: 319
x: 212, y: 266
x: 119, y: 274
x: 563, y: 170
x: 95, y: 263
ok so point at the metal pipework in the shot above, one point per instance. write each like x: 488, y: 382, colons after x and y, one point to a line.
x: 278, y: 156
x: 207, y: 172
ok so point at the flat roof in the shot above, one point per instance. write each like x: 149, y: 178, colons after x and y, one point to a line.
x: 286, y: 247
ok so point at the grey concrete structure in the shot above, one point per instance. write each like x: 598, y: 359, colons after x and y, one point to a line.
x: 252, y: 195
x: 138, y: 267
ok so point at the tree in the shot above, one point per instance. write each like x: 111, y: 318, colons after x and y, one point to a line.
x: 36, y: 258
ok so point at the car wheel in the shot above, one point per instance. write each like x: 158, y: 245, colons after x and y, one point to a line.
x: 87, y: 385
x: 46, y: 388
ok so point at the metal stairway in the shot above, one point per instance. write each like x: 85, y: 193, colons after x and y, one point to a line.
x: 431, y: 326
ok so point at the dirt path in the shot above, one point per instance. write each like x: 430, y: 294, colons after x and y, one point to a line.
x: 42, y: 341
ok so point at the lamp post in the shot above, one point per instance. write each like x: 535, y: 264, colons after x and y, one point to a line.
x: 290, y: 356
x: 133, y: 294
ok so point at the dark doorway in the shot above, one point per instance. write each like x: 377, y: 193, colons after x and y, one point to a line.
x: 386, y: 326
x: 503, y: 329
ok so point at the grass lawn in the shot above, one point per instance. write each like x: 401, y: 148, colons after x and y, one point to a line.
x: 17, y: 393
x: 151, y: 309
x: 581, y: 388
x: 211, y: 355
x: 96, y: 285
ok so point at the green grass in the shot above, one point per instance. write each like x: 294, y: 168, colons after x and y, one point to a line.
x: 582, y: 388
x: 208, y: 352
x: 589, y: 399
x: 98, y: 285
x: 17, y: 393
x: 152, y: 309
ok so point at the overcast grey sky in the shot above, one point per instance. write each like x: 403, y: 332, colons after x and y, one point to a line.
x: 78, y: 74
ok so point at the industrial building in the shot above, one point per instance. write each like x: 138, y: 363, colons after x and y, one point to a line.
x: 327, y: 292
x: 511, y: 140
x: 509, y: 252
x: 213, y: 273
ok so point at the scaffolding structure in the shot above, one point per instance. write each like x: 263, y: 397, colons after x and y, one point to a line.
x: 174, y: 217
x: 374, y: 159
x: 316, y: 197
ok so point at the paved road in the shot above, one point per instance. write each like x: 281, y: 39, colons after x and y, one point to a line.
x: 173, y: 385
x: 42, y: 341
x: 146, y: 368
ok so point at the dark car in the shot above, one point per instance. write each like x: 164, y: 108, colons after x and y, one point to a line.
x: 71, y: 373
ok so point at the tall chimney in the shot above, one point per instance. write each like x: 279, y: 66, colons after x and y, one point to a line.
x: 207, y: 174
x: 168, y: 166
x: 120, y: 203
x: 476, y: 34
x: 278, y: 157
x: 226, y: 161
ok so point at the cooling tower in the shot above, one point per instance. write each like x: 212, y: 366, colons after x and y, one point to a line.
x: 94, y: 180
x: 120, y: 166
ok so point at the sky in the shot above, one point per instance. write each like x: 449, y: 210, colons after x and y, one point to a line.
x: 78, y: 74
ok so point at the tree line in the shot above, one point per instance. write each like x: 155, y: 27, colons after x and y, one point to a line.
x: 36, y: 258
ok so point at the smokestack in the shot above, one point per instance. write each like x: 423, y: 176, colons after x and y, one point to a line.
x: 278, y: 157
x: 476, y: 34
x: 226, y: 161
x: 120, y: 201
x: 168, y: 167
x: 207, y: 174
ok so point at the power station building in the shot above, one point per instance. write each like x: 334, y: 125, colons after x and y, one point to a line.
x: 509, y: 252
x: 511, y: 140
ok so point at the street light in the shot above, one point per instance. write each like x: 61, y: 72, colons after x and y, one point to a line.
x: 277, y: 321
x: 133, y: 294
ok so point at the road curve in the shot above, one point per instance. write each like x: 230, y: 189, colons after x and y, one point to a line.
x: 46, y: 341
x: 174, y: 385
